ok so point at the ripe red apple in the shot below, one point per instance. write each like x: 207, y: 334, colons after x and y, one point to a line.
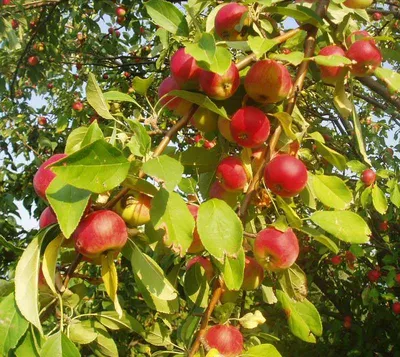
x: 228, y: 19
x: 358, y: 4
x: 205, y: 263
x: 253, y: 274
x: 336, y: 260
x: 374, y: 275
x: 77, y: 106
x: 33, y: 61
x: 50, y: 85
x: 134, y: 209
x: 196, y: 246
x: 207, y: 144
x: 220, y: 87
x: 330, y: 74
x: 120, y: 11
x: 357, y: 36
x: 276, y: 250
x: 368, y: 177
x: 100, y: 232
x: 396, y: 308
x: 232, y: 174
x: 268, y: 81
x: 377, y: 16
x: 185, y: 70
x: 42, y: 120
x: 384, y: 226
x: 44, y: 176
x: 347, y: 322
x: 204, y: 120
x: 177, y: 105
x: 111, y: 30
x: 397, y: 278
x: 224, y: 127
x: 250, y: 127
x: 121, y: 20
x: 285, y: 175
x: 79, y: 66
x: 217, y: 191
x: 6, y: 2
x: 367, y: 56
x: 105, y: 76
x: 47, y: 218
x: 14, y: 24
x: 227, y: 339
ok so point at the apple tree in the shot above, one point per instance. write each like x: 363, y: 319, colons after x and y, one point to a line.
x: 208, y: 178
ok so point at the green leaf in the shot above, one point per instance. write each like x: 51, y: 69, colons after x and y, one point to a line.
x: 111, y: 320
x: 390, y: 78
x: 140, y: 185
x: 93, y: 134
x: 12, y: 324
x: 286, y: 120
x: 200, y: 159
x: 332, y: 191
x: 293, y: 282
x: 359, y: 135
x: 98, y: 167
x: 120, y: 97
x: 168, y: 16
x: 50, y: 260
x: 291, y: 215
x: 140, y: 143
x: 196, y: 286
x: 28, y: 346
x: 395, y: 194
x: 220, y: 229
x: 379, y: 200
x: 262, y: 350
x: 82, y: 332
x: 298, y: 12
x: 141, y: 85
x: 332, y: 60
x: 333, y: 157
x: 66, y: 198
x: 294, y: 58
x: 344, y: 225
x: 366, y: 198
x: 8, y: 245
x: 340, y: 98
x: 221, y: 62
x: 166, y: 169
x: 319, y: 237
x: 96, y: 99
x: 233, y: 270
x: 104, y: 345
x: 204, y: 50
x: 75, y: 139
x: 356, y: 166
x: 6, y: 288
x: 268, y: 295
x: 59, y: 345
x: 170, y: 212
x: 110, y: 279
x: 310, y: 315
x: 259, y: 45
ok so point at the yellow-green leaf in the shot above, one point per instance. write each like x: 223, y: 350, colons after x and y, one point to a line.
x: 110, y: 279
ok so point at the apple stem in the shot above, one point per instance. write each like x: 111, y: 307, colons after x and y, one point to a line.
x: 70, y: 272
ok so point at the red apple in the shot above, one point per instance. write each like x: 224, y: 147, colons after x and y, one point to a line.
x: 357, y: 36
x: 374, y: 275
x: 47, y: 218
x: 253, y: 274
x: 377, y: 16
x: 396, y: 308
x: 368, y: 177
x: 250, y: 127
x: 330, y: 74
x: 185, y: 70
x: 177, y: 105
x: 358, y: 4
x: 196, y: 246
x: 220, y: 87
x: 276, y: 250
x: 14, y: 24
x: 384, y: 226
x: 226, y: 339
x: 134, y: 209
x: 42, y: 120
x: 44, y: 176
x: 50, y: 85
x: 285, y: 175
x: 336, y: 260
x: 6, y: 2
x: 105, y: 76
x: 227, y: 21
x: 347, y: 322
x: 79, y: 66
x: 397, y: 278
x: 217, y: 191
x: 367, y: 57
x: 100, y: 232
x: 286, y: 51
x: 120, y: 21
x: 232, y: 174
x: 224, y: 127
x: 207, y: 144
x: 205, y: 263
x: 77, y: 106
x: 268, y: 81
x: 33, y: 61
x: 120, y: 11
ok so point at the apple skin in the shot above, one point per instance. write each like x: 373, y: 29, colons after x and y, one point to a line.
x: 178, y: 105
x: 224, y: 127
x: 6, y: 2
x: 120, y: 11
x: 227, y: 18
x: 397, y: 278
x: 227, y: 339
x: 204, y: 120
x: 383, y: 226
x: 135, y: 211
x: 205, y: 263
x: 330, y: 74
x: 367, y: 56
x: 347, y: 322
x: 14, y: 24
x: 358, y: 4
x: 197, y: 246
x: 336, y: 260
x: 373, y: 275
x: 220, y: 87
x: 33, y: 61
x: 357, y: 36
x: 285, y: 175
x: 268, y: 82
x: 185, y: 70
x: 47, y: 218
x: 42, y: 121
x: 250, y: 127
x: 232, y: 174
x: 396, y: 308
x: 100, y: 232
x: 253, y: 274
x: 276, y: 250
x: 77, y: 106
x: 368, y: 176
x: 377, y: 16
x: 44, y: 176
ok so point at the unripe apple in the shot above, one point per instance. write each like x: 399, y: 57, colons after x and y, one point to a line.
x: 14, y: 24
x: 220, y: 86
x: 336, y: 260
x: 232, y: 174
x: 47, y: 218
x: 357, y: 36
x: 135, y: 211
x: 396, y: 308
x: 276, y: 250
x: 368, y: 177
x: 224, y: 127
x: 267, y: 82
x: 330, y: 74
x: 249, y: 127
x: 204, y: 120
x: 358, y: 4
x: 196, y: 246
x: 285, y: 175
x: 120, y: 11
x: 77, y: 106
x: 374, y: 275
x: 44, y: 176
x: 100, y: 232
x: 33, y: 61
x: 253, y: 274
x: 367, y: 56
x: 39, y: 46
x: 377, y: 16
x: 228, y: 19
x: 178, y: 105
x: 185, y: 70
x: 227, y: 339
x: 217, y: 191
x: 205, y: 263
x: 347, y: 322
x: 42, y: 120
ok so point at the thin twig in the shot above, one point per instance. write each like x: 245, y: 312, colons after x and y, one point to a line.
x: 70, y: 271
